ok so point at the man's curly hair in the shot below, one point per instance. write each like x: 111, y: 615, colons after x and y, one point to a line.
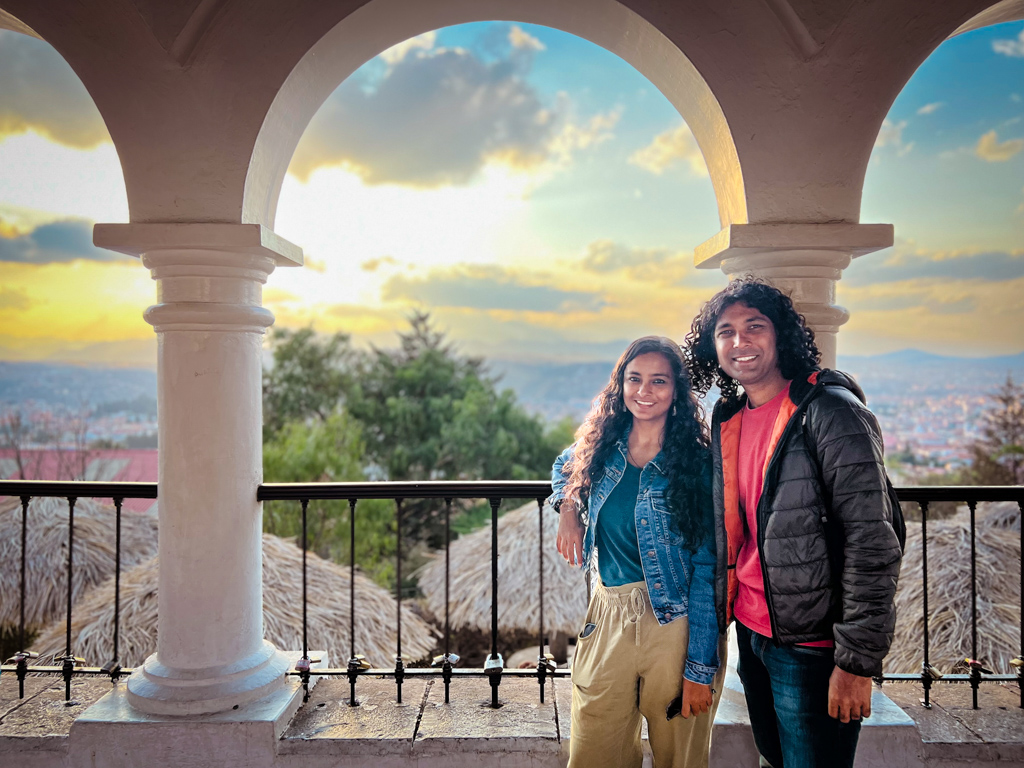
x: 684, y: 447
x: 794, y: 341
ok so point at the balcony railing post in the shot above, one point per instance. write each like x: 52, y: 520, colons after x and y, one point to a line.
x: 446, y: 665
x: 975, y: 666
x: 494, y: 665
x: 115, y: 667
x: 68, y: 665
x: 543, y: 664
x: 1020, y: 667
x: 22, y: 671
x: 926, y: 667
x: 353, y: 662
x: 399, y: 665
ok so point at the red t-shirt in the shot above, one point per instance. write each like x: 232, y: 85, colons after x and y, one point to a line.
x: 751, y: 608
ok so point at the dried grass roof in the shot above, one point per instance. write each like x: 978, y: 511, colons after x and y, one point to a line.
x: 949, y: 591
x: 565, y: 592
x: 47, y: 554
x: 93, y: 623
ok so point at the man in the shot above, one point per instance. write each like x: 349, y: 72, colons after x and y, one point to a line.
x: 808, y: 555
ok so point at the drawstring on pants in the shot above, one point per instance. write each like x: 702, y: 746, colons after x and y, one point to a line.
x: 634, y: 609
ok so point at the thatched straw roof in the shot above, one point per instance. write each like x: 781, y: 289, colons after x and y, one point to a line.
x: 949, y: 592
x: 565, y: 592
x: 93, y: 624
x: 47, y: 554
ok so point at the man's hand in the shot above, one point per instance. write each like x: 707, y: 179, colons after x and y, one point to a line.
x: 849, y: 696
x: 570, y: 535
x: 696, y: 698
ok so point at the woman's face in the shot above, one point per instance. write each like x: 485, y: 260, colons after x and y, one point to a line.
x: 648, y: 387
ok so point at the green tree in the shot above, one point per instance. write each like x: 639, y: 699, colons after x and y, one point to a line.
x: 309, y: 378
x: 431, y: 413
x: 999, y: 453
x: 330, y: 450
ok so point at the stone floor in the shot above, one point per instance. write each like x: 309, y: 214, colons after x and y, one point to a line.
x: 424, y: 731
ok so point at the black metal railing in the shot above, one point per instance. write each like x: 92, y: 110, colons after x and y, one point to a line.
x: 972, y: 496
x: 444, y: 665
x: 72, y: 491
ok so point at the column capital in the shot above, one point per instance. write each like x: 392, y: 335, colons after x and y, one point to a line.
x: 243, y: 239
x: 763, y: 245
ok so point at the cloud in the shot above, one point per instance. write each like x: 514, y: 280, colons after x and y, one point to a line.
x: 13, y: 300
x: 488, y: 288
x: 397, y: 53
x: 518, y: 38
x: 42, y: 93
x: 57, y: 241
x: 903, y: 262
x: 989, y: 148
x: 670, y: 148
x: 662, y: 267
x: 1013, y: 48
x: 434, y: 118
x: 573, y: 137
x: 928, y: 109
x: 891, y: 135
x: 372, y: 265
x: 1015, y: 98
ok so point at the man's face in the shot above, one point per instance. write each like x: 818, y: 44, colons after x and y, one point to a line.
x: 745, y: 343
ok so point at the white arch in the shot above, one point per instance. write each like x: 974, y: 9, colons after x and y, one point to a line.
x: 380, y: 24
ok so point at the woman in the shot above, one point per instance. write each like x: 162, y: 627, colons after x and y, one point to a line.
x: 635, y: 488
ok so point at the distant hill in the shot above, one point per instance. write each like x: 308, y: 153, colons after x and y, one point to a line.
x: 560, y: 389
x: 72, y: 386
x: 551, y: 389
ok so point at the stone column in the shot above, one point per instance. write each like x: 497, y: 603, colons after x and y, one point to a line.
x: 211, y: 655
x: 803, y: 260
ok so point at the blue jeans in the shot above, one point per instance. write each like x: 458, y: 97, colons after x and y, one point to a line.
x: 787, y: 697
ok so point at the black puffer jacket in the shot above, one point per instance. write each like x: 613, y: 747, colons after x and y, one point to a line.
x: 829, y: 554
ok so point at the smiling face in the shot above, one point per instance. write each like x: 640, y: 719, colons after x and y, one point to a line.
x: 746, y: 347
x: 648, y: 387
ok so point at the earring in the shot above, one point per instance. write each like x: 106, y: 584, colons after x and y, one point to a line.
x: 674, y: 409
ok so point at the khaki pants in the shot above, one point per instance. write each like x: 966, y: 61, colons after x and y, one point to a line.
x: 629, y: 666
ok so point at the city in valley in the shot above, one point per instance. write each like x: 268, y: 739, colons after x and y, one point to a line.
x: 931, y: 409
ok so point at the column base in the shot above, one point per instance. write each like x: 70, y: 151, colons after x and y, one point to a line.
x: 113, y: 733
x: 157, y: 689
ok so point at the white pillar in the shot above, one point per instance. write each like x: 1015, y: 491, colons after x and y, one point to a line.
x: 803, y: 260
x: 211, y: 655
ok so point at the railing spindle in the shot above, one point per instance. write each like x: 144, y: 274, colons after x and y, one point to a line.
x: 975, y: 667
x: 926, y: 677
x: 353, y: 663
x: 69, y: 661
x: 1020, y: 669
x: 305, y: 664
x: 494, y: 662
x: 399, y: 665
x: 446, y: 665
x: 117, y: 584
x: 22, y: 637
x: 542, y: 665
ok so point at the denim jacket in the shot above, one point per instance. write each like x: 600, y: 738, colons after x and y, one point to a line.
x: 679, y: 582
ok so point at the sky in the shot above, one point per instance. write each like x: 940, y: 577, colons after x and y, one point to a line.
x: 534, y: 193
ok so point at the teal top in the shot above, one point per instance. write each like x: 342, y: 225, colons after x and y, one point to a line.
x: 618, y: 553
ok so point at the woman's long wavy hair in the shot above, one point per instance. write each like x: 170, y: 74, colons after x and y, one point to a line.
x: 684, y: 445
x: 798, y: 355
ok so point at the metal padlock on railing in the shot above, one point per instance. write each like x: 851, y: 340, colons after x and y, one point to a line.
x: 440, y: 660
x: 358, y: 663
x: 1017, y: 664
x: 22, y: 657
x: 977, y: 666
x: 111, y: 668
x: 547, y: 662
x: 304, y: 664
x: 930, y: 671
x: 494, y: 665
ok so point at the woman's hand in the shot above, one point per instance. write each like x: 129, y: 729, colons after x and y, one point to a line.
x: 570, y: 534
x: 696, y: 698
